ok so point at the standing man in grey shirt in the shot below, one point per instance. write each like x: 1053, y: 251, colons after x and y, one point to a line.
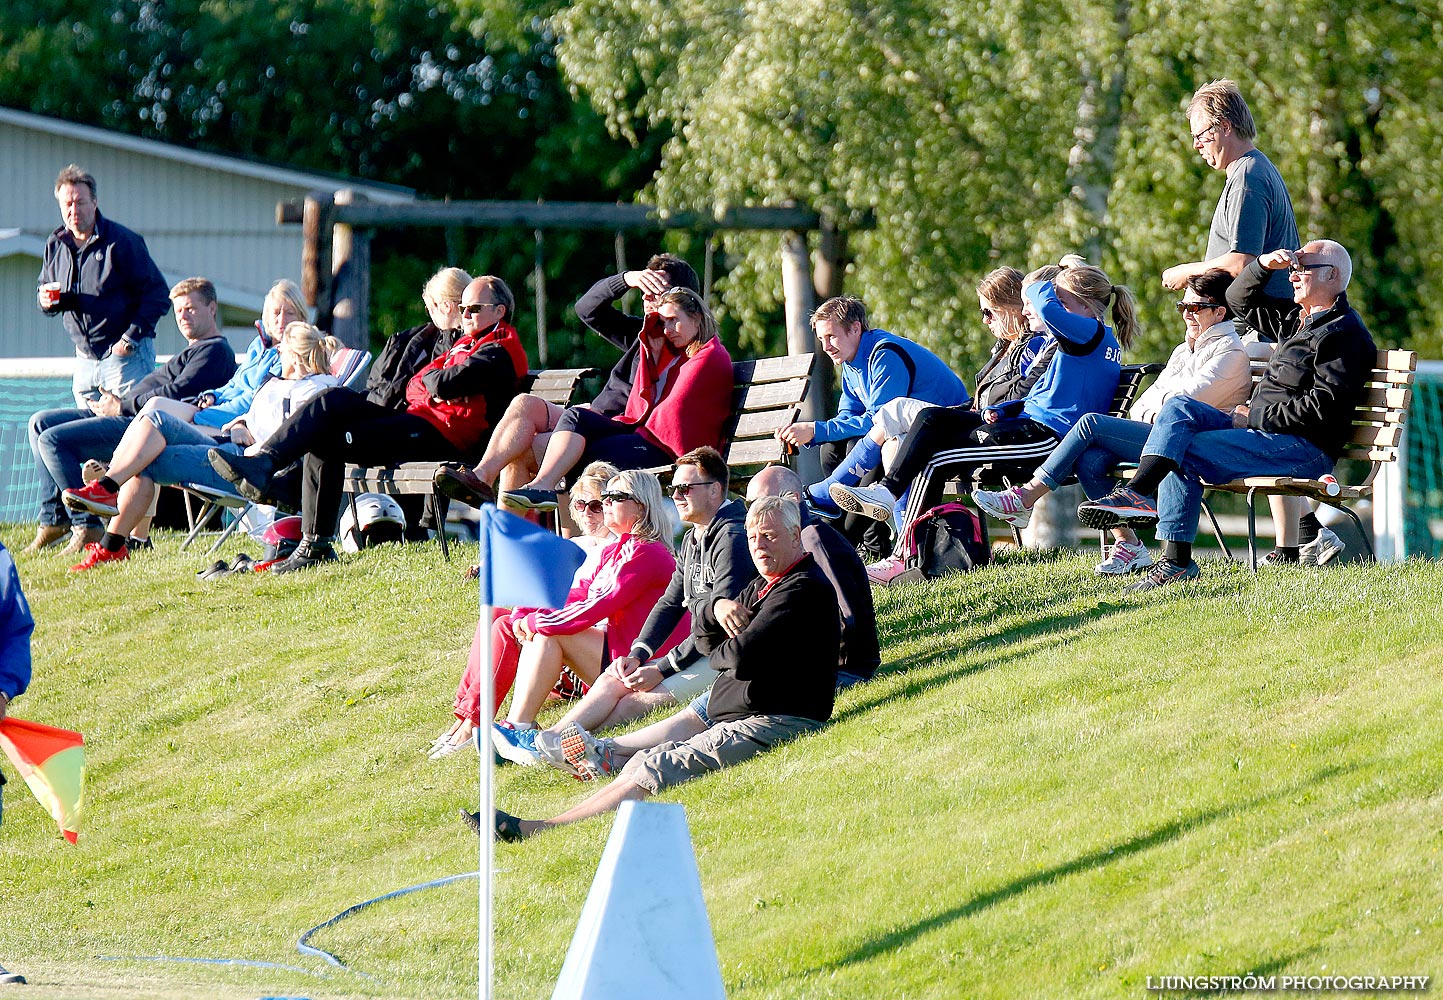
x: 1254, y: 216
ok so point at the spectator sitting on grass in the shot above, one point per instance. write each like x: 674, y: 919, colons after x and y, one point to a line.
x: 1210, y: 365
x: 1297, y: 422
x: 681, y: 400
x: 146, y: 458
x: 771, y: 687
x: 602, y: 613
x: 714, y: 566
x: 587, y: 512
x: 518, y: 446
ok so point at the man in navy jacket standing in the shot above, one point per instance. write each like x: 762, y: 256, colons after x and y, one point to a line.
x: 99, y: 278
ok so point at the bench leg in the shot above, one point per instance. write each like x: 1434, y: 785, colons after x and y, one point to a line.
x: 1217, y: 529
x: 1252, y: 530
x: 438, y: 514
x: 1372, y: 556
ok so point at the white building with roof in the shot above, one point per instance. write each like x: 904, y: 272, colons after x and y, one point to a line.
x: 200, y: 213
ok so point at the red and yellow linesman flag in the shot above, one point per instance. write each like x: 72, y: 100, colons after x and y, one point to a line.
x: 52, y: 762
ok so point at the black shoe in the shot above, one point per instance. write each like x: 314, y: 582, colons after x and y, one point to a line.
x: 311, y: 552
x: 250, y: 473
x: 462, y: 485
x: 139, y: 544
x: 473, y: 820
x: 524, y: 500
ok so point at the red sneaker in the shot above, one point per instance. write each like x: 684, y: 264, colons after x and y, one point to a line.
x: 93, y: 499
x: 96, y: 554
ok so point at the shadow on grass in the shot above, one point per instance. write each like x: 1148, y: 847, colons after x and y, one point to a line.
x: 1052, y: 631
x: 1269, y: 967
x: 1087, y: 862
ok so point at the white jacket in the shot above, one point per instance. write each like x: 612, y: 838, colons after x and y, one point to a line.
x: 1214, y: 370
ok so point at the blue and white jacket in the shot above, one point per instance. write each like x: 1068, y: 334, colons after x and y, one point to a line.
x: 888, y: 367
x: 234, y: 398
x: 1082, y: 377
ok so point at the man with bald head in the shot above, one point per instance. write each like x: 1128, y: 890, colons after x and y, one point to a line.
x: 844, y: 570
x: 1296, y: 424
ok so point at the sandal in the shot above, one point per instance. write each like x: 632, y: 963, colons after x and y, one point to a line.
x: 508, y: 827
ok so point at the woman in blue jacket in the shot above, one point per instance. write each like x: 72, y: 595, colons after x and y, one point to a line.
x: 1070, y: 304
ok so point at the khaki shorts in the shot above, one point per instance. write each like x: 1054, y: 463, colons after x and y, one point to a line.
x: 722, y: 745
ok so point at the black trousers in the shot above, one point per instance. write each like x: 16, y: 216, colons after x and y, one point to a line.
x: 946, y: 443
x: 340, y: 426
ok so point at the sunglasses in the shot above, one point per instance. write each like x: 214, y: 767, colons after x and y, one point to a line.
x: 1296, y: 268
x: 987, y: 315
x: 1197, y: 307
x: 586, y: 506
x: 681, y: 490
x: 612, y: 497
x: 476, y: 307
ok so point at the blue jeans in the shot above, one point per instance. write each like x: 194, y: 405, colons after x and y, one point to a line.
x: 112, y: 373
x: 178, y: 431
x: 1202, y: 441
x: 1095, y: 444
x: 61, y: 440
x: 187, y: 463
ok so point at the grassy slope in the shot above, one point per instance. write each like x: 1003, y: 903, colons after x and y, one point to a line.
x: 1055, y: 790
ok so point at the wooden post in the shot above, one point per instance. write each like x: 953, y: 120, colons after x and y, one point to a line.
x: 317, y: 219
x: 800, y: 301
x: 540, y: 290
x: 351, y: 268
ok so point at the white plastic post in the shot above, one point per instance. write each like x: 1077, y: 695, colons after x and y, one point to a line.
x: 485, y: 937
x: 644, y: 930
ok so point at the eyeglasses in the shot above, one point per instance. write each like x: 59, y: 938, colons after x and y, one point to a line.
x: 1197, y: 307
x: 1199, y: 136
x: 679, y: 491
x: 586, y: 506
x: 1296, y: 268
x: 612, y: 497
x: 476, y: 307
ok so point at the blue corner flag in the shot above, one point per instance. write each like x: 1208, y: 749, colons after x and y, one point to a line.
x: 523, y: 565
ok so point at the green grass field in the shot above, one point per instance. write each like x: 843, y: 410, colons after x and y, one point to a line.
x: 1053, y: 790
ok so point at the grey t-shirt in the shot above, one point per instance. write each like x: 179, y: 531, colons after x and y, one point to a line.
x: 1255, y: 216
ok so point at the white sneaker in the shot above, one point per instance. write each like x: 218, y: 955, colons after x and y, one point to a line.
x: 1123, y: 558
x: 1321, y: 550
x: 875, y: 502
x: 886, y: 570
x: 1004, y: 506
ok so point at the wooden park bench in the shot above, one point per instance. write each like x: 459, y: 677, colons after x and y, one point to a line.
x: 1378, y: 426
x: 768, y: 395
x: 555, y: 385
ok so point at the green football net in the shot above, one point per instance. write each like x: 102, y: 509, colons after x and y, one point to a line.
x: 1423, y: 483
x: 20, y: 396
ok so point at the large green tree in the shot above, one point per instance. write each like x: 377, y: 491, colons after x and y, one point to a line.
x: 1011, y: 131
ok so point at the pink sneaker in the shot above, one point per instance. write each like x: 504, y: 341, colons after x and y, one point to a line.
x: 1006, y: 506
x: 886, y: 570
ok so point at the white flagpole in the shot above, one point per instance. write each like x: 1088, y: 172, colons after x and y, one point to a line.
x: 486, y: 805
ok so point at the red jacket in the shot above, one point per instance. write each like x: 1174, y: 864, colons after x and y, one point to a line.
x: 695, y: 399
x: 463, y: 390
